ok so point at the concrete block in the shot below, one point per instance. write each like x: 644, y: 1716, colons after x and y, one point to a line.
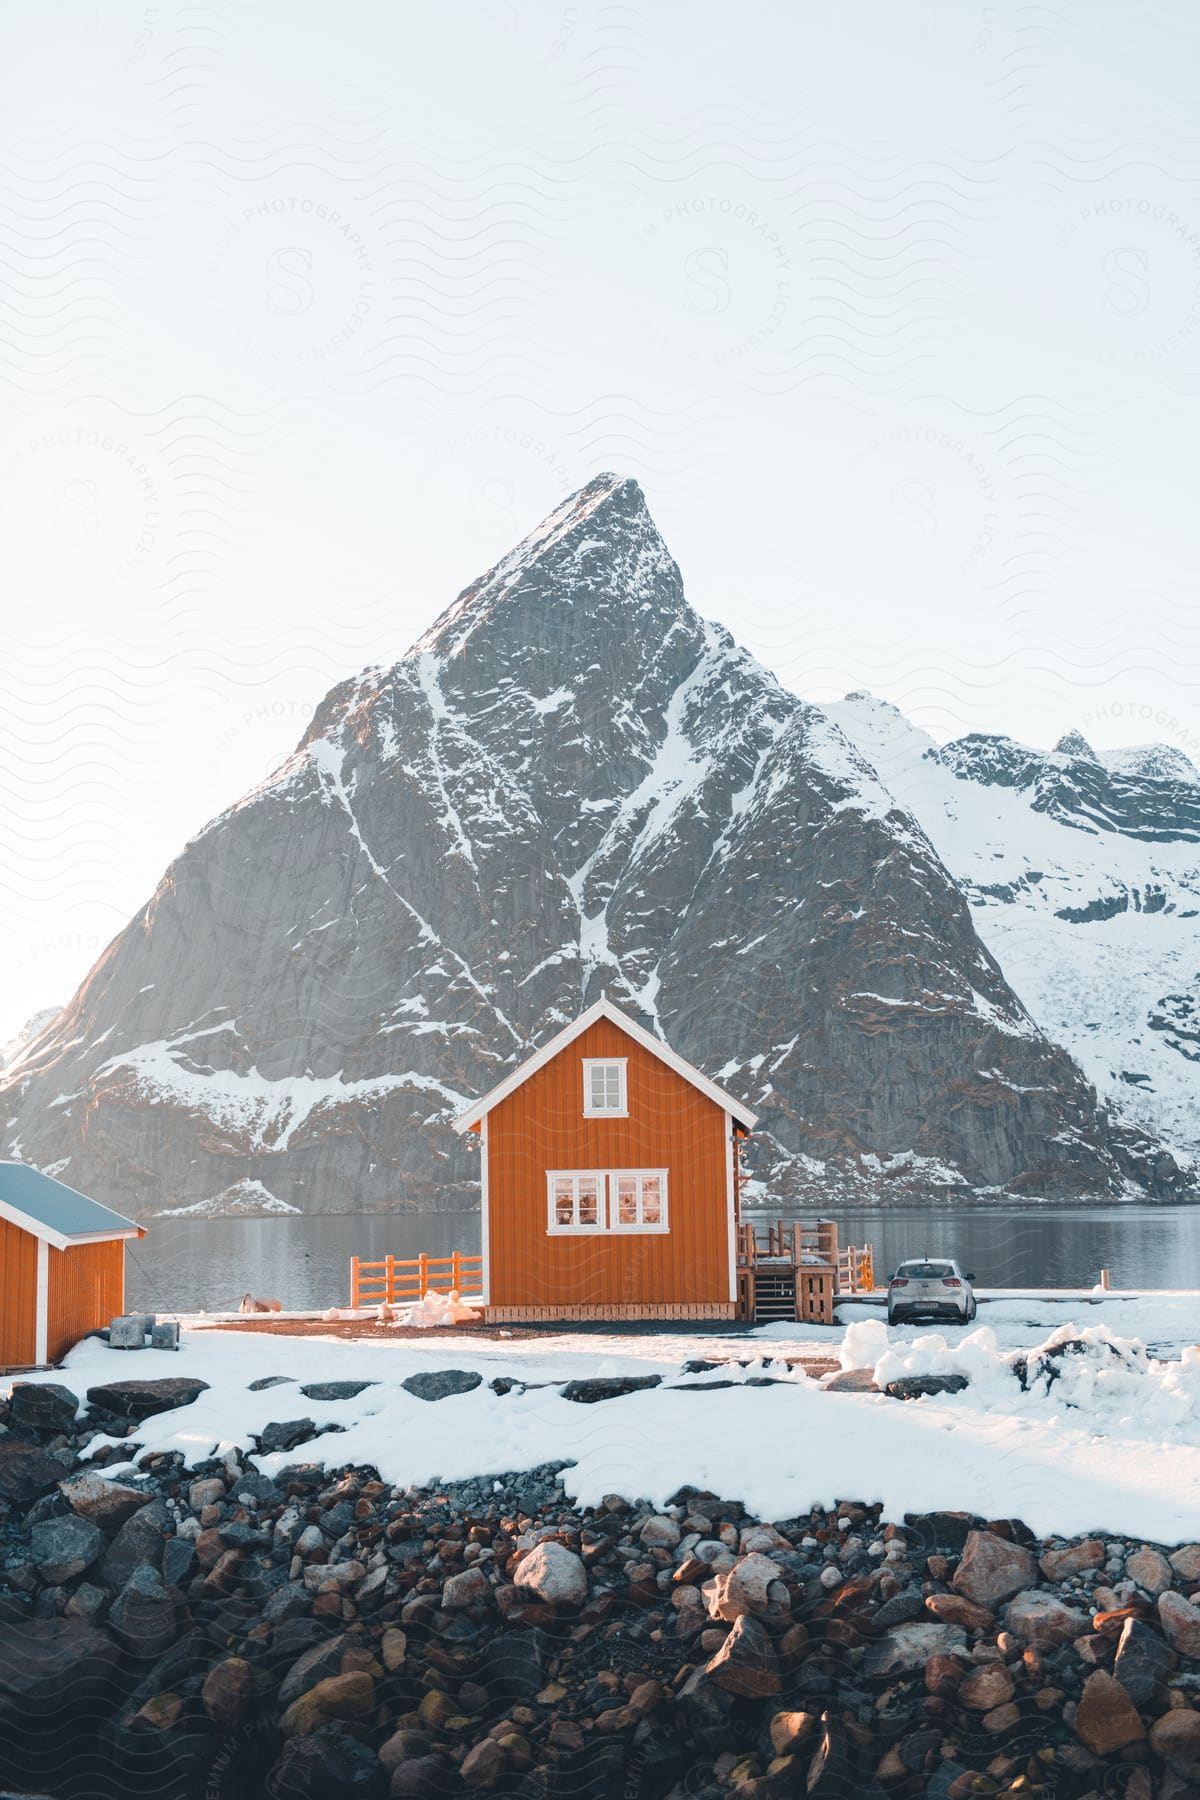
x: 165, y: 1336
x: 128, y: 1332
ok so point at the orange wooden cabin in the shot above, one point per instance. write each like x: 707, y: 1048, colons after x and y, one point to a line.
x: 62, y: 1265
x: 609, y: 1180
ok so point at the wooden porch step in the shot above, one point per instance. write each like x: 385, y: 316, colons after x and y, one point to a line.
x: 774, y: 1294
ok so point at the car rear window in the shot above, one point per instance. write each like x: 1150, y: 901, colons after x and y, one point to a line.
x: 926, y: 1271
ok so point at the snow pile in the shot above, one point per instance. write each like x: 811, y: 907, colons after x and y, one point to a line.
x: 864, y: 1345
x: 1111, y: 1381
x: 439, y: 1309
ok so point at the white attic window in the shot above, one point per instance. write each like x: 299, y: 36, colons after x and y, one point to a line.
x: 604, y: 1091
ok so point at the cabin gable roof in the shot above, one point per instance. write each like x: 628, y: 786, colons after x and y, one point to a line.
x: 604, y: 1009
x: 55, y: 1213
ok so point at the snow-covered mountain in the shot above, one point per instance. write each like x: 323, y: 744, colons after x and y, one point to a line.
x: 21, y: 1040
x: 1083, y: 877
x: 570, y: 782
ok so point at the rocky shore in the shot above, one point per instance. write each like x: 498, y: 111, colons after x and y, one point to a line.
x: 315, y: 1634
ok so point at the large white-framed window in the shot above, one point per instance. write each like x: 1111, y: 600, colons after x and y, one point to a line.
x: 605, y: 1095
x: 576, y: 1200
x: 613, y: 1200
x: 637, y: 1200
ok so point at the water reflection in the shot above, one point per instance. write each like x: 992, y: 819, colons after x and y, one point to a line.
x: 186, y: 1265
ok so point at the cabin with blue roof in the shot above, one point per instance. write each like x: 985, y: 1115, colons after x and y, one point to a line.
x: 62, y: 1266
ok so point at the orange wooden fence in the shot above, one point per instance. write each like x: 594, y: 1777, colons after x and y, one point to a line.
x: 399, y: 1281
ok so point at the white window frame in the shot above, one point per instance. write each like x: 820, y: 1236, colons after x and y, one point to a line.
x: 607, y: 1208
x: 575, y: 1229
x: 621, y: 1110
x: 639, y: 1229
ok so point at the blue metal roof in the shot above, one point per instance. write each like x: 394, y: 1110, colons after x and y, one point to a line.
x: 56, y: 1207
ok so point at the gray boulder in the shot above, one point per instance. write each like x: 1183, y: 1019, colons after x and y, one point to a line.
x: 63, y: 1548
x: 141, y: 1399
x: 51, y: 1669
x: 138, y: 1544
x: 607, y: 1387
x: 285, y: 1434
x: 335, y: 1390
x: 26, y: 1473
x: 143, y: 1615
x: 43, y: 1405
x: 439, y: 1384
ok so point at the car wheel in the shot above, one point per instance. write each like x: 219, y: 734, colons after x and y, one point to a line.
x: 894, y: 1318
x: 972, y: 1309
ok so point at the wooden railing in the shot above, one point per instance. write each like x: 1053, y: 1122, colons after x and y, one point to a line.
x: 398, y: 1281
x: 856, y: 1269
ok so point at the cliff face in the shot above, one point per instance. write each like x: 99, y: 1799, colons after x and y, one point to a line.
x: 1083, y: 878
x: 570, y: 782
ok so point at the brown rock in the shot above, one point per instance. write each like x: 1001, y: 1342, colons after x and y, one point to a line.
x: 226, y: 1692
x: 646, y: 1696
x: 986, y: 1687
x: 746, y: 1663
x: 742, y: 1589
x: 1106, y: 1718
x: 956, y: 1609
x: 404, y: 1745
x: 483, y: 1766
x: 1176, y: 1738
x: 1186, y: 1562
x: 1150, y: 1569
x: 1042, y: 1619
x: 616, y: 1718
x: 1072, y: 1559
x: 394, y: 1649
x: 943, y: 1676
x: 1180, y: 1621
x: 104, y: 1503
x: 1094, y: 1649
x: 1002, y: 1719
x: 991, y: 1569
x: 791, y: 1729
x: 160, y: 1713
x: 337, y: 1697
x: 566, y: 1734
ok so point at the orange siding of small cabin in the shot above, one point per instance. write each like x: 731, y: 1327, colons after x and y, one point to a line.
x: 18, y: 1295
x: 87, y: 1288
x: 671, y: 1125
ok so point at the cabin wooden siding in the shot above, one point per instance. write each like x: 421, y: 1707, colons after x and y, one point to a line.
x: 670, y: 1125
x: 86, y: 1289
x: 18, y: 1296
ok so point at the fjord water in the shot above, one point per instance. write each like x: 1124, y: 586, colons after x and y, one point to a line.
x: 186, y: 1265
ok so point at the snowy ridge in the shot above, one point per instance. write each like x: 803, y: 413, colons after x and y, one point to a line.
x: 1096, y: 929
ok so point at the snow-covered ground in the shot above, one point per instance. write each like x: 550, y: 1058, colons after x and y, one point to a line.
x: 1114, y: 1448
x: 1166, y: 1322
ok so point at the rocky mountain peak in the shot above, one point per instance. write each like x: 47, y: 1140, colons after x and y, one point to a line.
x: 1073, y: 743
x: 599, y: 550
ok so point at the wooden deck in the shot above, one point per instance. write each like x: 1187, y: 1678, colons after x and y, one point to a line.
x: 790, y: 1270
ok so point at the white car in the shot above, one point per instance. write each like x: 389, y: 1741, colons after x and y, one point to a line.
x: 932, y: 1288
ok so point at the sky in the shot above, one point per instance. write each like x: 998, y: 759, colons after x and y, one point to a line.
x: 307, y: 313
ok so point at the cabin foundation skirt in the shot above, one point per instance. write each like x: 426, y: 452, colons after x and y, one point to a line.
x: 550, y: 1314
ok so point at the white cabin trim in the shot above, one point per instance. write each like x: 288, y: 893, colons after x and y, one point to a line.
x: 41, y: 1315
x: 604, y: 1009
